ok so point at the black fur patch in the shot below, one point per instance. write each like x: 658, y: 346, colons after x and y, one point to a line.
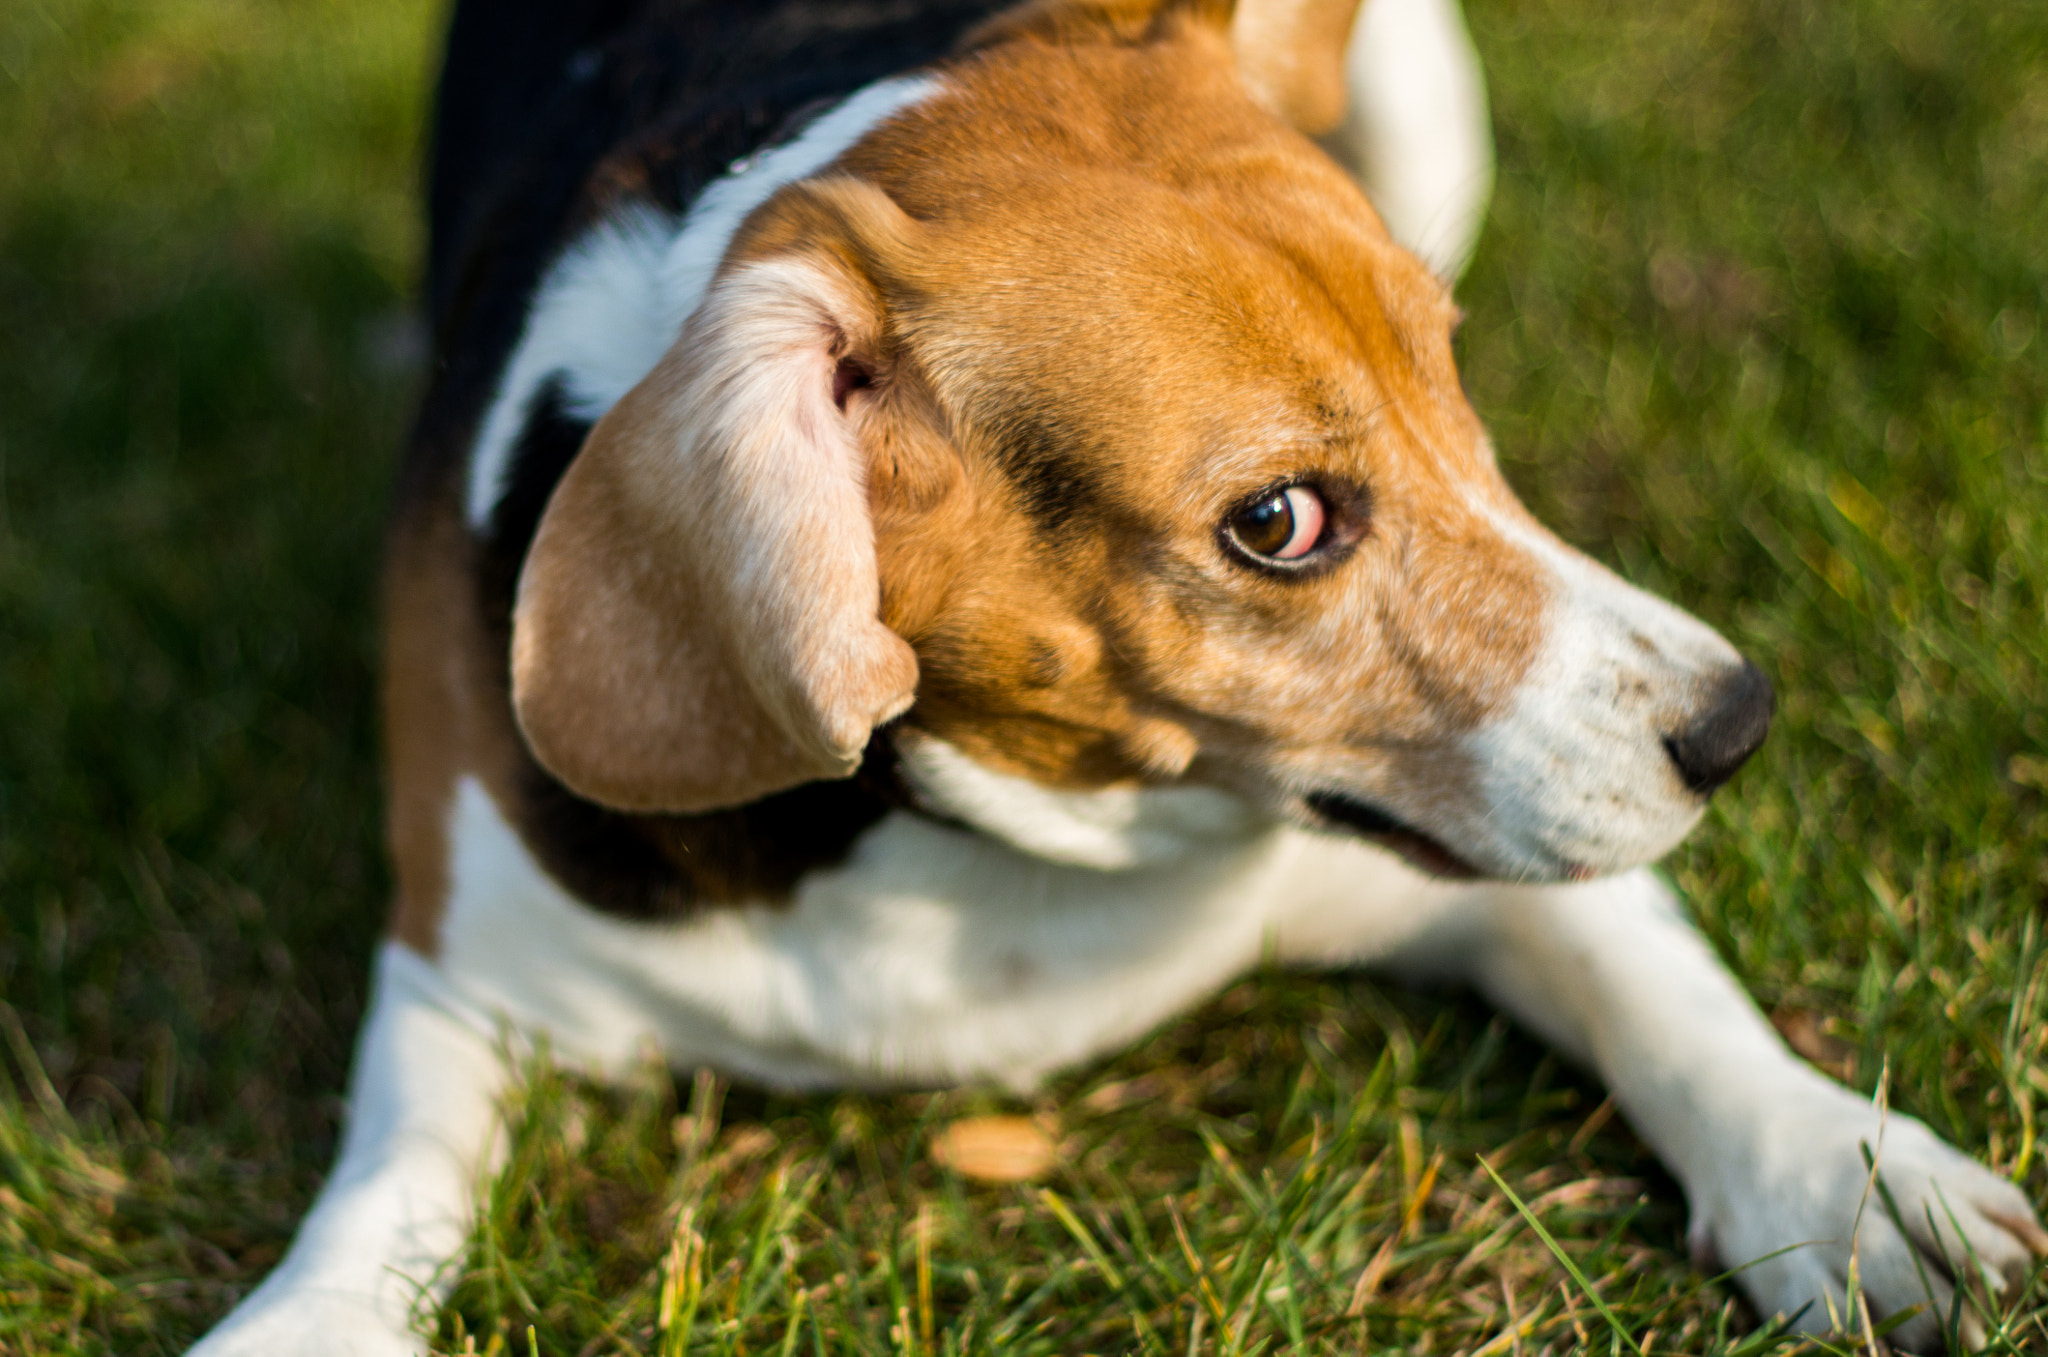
x: 669, y: 866
x: 546, y: 445
x: 1051, y: 473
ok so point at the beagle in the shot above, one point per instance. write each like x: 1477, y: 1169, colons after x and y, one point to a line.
x: 942, y: 534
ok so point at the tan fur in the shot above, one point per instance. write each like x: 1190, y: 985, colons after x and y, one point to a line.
x: 445, y: 713
x: 1291, y: 55
x: 424, y: 607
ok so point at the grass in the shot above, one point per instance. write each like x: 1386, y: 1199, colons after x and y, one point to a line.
x: 1757, y: 319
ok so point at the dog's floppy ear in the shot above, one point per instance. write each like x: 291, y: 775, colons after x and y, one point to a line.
x: 1291, y: 55
x: 696, y: 623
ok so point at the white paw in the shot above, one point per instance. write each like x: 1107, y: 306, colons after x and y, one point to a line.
x: 1783, y: 1208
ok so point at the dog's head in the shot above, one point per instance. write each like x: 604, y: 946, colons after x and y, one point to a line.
x: 1085, y: 417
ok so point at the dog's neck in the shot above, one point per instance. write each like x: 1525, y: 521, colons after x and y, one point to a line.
x: 1109, y: 828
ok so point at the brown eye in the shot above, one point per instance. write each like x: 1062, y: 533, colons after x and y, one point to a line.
x: 1284, y: 526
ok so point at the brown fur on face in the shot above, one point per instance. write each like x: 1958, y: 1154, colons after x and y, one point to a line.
x: 992, y: 390
x: 1136, y: 300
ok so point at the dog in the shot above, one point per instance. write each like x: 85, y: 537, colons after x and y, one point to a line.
x: 943, y: 532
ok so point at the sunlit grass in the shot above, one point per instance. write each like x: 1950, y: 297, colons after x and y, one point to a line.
x: 1757, y: 319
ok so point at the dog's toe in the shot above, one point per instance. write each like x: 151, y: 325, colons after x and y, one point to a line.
x: 1802, y: 1223
x: 1965, y: 1220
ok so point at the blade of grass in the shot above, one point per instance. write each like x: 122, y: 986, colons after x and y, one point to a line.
x: 1621, y: 1333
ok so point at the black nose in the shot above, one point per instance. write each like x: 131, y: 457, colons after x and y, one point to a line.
x: 1717, y: 742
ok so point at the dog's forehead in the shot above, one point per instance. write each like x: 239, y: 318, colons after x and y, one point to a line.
x: 1107, y: 274
x: 1129, y: 325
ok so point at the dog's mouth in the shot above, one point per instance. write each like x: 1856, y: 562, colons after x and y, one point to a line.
x: 1369, y: 821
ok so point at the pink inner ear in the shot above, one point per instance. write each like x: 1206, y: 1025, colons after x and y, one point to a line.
x: 848, y: 377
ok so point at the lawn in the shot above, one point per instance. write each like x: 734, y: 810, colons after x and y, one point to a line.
x: 1757, y: 319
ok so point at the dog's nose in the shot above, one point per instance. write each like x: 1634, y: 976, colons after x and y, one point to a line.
x: 1738, y: 715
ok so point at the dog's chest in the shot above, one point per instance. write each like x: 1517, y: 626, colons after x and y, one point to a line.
x: 933, y: 955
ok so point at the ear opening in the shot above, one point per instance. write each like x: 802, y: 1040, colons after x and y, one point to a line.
x: 697, y: 620
x: 1291, y: 56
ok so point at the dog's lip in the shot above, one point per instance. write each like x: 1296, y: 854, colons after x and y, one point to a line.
x: 1370, y: 821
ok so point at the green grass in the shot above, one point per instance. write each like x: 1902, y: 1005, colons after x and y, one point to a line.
x: 1757, y: 319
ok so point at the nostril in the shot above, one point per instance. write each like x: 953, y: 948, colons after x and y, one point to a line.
x: 1719, y: 740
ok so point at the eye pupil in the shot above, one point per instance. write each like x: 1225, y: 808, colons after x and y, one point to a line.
x: 1265, y: 527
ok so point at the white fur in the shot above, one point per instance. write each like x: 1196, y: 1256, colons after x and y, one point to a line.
x: 1575, y: 779
x: 396, y: 1209
x: 600, y: 320
x: 1415, y: 128
x: 935, y: 955
x: 722, y: 206
x: 616, y: 299
x: 1110, y: 829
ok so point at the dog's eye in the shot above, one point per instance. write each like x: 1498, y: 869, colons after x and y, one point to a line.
x: 1283, y: 526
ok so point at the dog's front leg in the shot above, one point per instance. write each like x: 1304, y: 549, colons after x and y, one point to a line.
x: 1769, y: 1151
x: 423, y: 1105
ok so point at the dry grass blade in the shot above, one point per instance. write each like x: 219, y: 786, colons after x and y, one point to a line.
x: 1614, y: 1324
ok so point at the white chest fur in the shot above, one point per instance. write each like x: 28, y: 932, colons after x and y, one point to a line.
x: 933, y: 955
